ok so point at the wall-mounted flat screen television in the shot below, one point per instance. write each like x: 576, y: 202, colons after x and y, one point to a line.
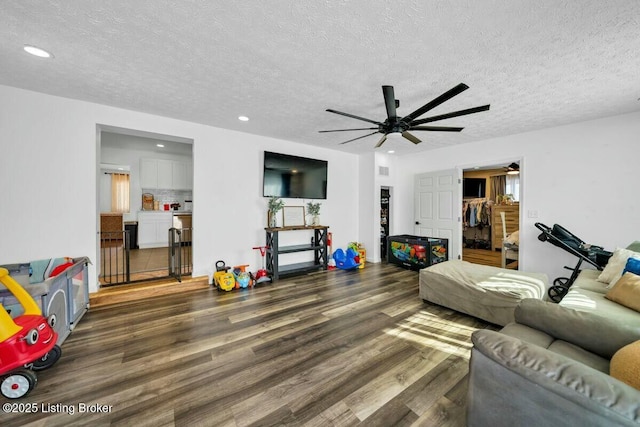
x: 294, y: 177
x: 474, y: 187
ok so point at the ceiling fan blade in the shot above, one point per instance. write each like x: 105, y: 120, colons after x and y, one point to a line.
x: 389, y: 102
x: 382, y: 140
x: 434, y: 103
x: 411, y: 138
x: 450, y: 115
x: 353, y: 117
x: 436, y: 128
x: 344, y: 130
x: 360, y: 137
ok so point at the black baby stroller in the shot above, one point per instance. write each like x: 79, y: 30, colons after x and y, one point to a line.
x: 562, y: 238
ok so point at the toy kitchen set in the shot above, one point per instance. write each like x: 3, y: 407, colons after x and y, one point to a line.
x: 160, y: 212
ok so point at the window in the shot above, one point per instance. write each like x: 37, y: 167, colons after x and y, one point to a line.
x: 513, y: 186
x: 119, y: 192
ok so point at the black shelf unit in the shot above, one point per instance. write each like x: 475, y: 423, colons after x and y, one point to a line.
x: 318, y: 245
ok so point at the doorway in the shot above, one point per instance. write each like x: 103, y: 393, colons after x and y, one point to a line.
x: 150, y: 235
x: 491, y: 214
x: 385, y: 218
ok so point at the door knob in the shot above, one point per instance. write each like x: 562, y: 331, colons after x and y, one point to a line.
x: 417, y: 222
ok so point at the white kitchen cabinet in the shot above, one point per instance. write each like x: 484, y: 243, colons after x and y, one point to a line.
x: 153, y: 229
x: 165, y: 174
x: 148, y: 173
x: 189, y: 175
x: 179, y: 170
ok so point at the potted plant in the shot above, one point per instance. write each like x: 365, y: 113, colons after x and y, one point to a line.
x: 314, y: 210
x: 275, y: 204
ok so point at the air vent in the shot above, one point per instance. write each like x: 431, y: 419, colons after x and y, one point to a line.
x: 383, y: 170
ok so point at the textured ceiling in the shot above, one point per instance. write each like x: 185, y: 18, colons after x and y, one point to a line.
x: 283, y: 62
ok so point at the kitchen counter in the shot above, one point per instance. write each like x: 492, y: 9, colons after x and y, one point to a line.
x: 153, y: 228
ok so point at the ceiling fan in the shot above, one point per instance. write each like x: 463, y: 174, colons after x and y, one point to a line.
x: 410, y: 122
x: 513, y: 169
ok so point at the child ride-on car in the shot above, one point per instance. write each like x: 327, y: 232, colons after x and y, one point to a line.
x: 27, y: 343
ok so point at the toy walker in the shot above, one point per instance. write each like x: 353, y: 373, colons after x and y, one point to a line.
x: 223, y: 280
x: 27, y: 343
x: 262, y: 275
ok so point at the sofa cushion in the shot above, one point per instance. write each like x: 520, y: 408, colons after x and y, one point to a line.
x: 528, y: 334
x: 625, y: 364
x: 588, y: 279
x: 635, y: 246
x: 613, y: 271
x: 598, y: 333
x: 581, y: 355
x: 626, y: 291
x: 544, y: 340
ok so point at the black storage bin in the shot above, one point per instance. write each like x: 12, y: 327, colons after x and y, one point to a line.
x: 416, y: 252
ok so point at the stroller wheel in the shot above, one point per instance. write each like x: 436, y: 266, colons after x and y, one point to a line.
x: 556, y: 293
x: 48, y: 359
x: 561, y: 281
x: 18, y: 383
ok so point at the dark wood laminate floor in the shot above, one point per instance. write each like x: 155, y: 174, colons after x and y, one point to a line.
x: 340, y: 348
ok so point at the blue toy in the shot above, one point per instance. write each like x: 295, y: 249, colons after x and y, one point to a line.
x: 243, y: 278
x: 346, y: 261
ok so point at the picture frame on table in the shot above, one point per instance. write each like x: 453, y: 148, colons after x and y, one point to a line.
x: 293, y: 216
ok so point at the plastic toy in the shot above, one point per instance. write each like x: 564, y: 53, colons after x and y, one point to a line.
x: 222, y: 278
x: 243, y: 277
x: 27, y: 343
x: 346, y: 261
x: 261, y: 275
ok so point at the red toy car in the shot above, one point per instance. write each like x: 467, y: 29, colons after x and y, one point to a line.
x: 27, y: 343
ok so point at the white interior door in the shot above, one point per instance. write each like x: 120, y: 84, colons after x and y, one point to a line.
x: 438, y: 206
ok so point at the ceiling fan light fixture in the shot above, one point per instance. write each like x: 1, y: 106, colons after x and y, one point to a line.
x: 513, y: 169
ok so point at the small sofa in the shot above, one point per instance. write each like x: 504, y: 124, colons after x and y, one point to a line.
x: 551, y: 365
x: 488, y: 293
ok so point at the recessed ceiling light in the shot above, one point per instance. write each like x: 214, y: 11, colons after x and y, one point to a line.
x: 391, y: 151
x: 160, y: 145
x: 243, y: 118
x: 36, y: 51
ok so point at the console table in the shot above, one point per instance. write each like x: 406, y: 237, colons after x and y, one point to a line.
x: 318, y: 245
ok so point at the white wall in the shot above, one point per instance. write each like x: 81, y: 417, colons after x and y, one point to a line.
x: 369, y: 230
x: 48, y: 181
x: 581, y: 176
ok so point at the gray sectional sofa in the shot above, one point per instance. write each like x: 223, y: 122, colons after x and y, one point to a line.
x: 551, y: 365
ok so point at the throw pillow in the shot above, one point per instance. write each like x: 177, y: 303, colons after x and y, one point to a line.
x: 625, y: 365
x: 633, y: 266
x: 626, y: 291
x: 616, y: 264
